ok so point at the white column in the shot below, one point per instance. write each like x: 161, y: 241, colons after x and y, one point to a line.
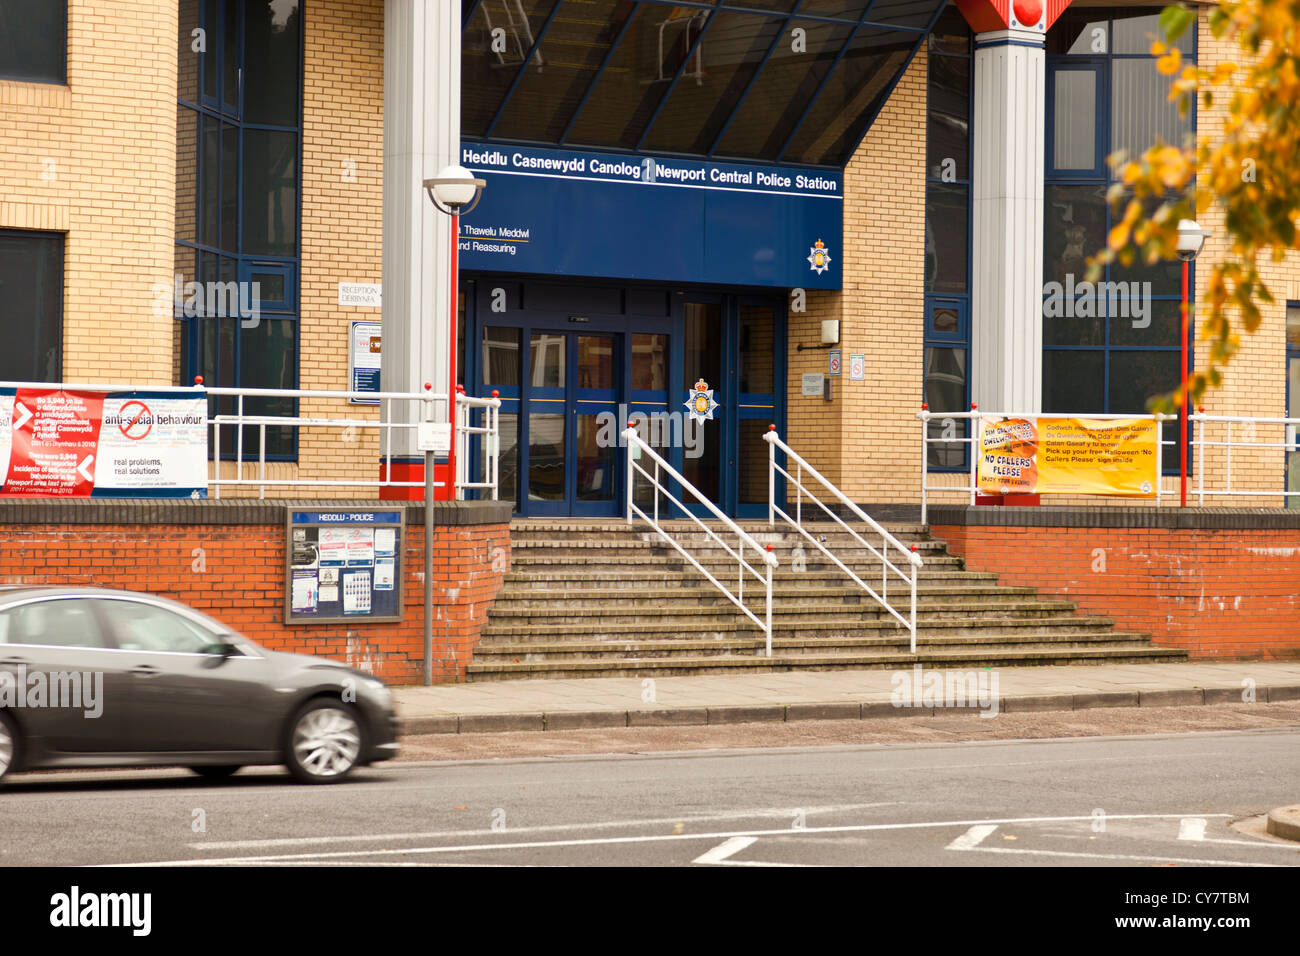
x: 1007, y: 253
x: 421, y: 136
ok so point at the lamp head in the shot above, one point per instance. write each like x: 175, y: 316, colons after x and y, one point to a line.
x: 454, y: 189
x: 1191, y: 239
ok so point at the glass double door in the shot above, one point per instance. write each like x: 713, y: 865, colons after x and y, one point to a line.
x: 568, y: 393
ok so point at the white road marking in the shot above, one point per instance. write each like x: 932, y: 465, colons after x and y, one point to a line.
x: 1115, y: 856
x: 725, y: 849
x: 972, y: 837
x: 1192, y: 828
x: 782, y: 812
x: 598, y: 841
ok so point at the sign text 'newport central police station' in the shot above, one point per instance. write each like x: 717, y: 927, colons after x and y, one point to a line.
x: 638, y: 217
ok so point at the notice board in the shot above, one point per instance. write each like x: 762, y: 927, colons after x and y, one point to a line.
x: 344, y: 564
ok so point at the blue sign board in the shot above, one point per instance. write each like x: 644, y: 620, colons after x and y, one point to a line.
x: 639, y: 217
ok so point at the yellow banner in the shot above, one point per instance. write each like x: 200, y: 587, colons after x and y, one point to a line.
x: 1068, y: 456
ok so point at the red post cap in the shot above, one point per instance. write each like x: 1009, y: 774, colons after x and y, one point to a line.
x: 925, y: 406
x: 428, y: 387
x: 913, y: 547
x: 198, y: 379
x: 769, y: 547
x: 495, y: 393
x: 460, y: 389
x: 771, y: 428
x: 973, y: 406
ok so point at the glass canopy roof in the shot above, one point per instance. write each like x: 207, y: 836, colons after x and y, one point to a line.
x: 790, y: 81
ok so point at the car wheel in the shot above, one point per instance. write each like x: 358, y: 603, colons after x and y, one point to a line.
x: 217, y: 772
x: 8, y: 745
x: 324, y: 742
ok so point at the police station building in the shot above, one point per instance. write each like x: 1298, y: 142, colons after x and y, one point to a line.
x: 896, y: 195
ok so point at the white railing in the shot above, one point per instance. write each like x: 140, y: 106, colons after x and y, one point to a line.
x: 637, y: 449
x: 1204, y: 426
x: 418, y: 406
x: 349, y: 420
x: 910, y: 559
x: 1213, y: 476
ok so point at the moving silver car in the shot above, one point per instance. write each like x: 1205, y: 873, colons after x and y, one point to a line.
x: 92, y: 677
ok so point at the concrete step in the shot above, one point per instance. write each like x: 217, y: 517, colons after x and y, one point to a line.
x: 558, y: 576
x: 723, y: 613
x: 723, y: 664
x: 790, y: 594
x: 990, y: 628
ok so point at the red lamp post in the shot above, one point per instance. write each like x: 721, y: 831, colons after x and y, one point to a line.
x: 1191, y: 239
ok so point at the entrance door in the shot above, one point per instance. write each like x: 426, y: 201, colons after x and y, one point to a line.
x: 570, y: 413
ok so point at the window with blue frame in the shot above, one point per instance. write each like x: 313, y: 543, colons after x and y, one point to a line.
x: 1110, y: 346
x: 947, y: 236
x: 239, y: 107
x: 31, y: 288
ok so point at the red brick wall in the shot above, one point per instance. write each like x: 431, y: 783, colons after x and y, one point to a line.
x: 236, y: 573
x: 1220, y: 594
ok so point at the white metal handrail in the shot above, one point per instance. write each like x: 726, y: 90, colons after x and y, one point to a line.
x: 636, y: 448
x: 1287, y: 445
x: 913, y: 560
x: 971, y: 485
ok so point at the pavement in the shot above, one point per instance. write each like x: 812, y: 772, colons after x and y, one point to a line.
x: 505, y: 706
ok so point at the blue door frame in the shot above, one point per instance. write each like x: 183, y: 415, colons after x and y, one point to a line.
x: 526, y: 399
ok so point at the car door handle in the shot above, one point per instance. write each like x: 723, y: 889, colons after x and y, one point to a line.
x: 144, y: 670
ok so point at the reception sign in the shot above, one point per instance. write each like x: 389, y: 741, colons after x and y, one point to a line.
x: 1064, y: 456
x: 59, y: 443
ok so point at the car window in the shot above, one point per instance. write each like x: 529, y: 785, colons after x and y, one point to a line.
x: 65, y: 622
x: 147, y: 627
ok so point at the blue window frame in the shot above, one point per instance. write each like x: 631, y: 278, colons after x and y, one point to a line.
x: 34, y: 41
x: 238, y: 197
x: 1108, y: 347
x: 946, y: 356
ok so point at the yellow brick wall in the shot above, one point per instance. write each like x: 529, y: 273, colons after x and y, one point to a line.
x: 867, y: 439
x: 95, y: 160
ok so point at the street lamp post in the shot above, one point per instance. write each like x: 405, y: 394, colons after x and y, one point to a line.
x: 454, y: 191
x: 1191, y: 239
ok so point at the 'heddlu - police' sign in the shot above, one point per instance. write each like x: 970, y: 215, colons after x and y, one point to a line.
x: 627, y: 217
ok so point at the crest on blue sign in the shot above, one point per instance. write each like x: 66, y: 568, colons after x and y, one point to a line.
x: 700, y: 402
x: 819, y: 258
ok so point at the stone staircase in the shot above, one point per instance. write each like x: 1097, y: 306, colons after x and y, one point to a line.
x: 603, y: 598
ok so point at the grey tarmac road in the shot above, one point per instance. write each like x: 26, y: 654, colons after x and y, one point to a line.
x: 1144, y: 800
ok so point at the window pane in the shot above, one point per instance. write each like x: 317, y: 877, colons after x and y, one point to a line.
x: 782, y: 92
x: 753, y: 471
x: 490, y: 64
x: 268, y: 359
x: 546, y: 360
x: 31, y: 290
x: 33, y: 40
x: 210, y: 183
x: 208, y: 58
x: 945, y: 391
x: 571, y: 53
x: 847, y: 9
x: 1165, y: 276
x: 596, y: 462
x: 187, y: 173
x: 1074, y: 381
x: 699, y: 105
x: 270, y: 193
x: 1074, y: 125
x: 945, y: 237
x: 143, y: 627
x: 1136, y: 377
x: 596, y: 361
x: 229, y: 58
x: 948, y: 116
x: 649, y: 362
x: 229, y: 187
x: 546, y: 457
x: 187, y: 60
x: 1134, y: 31
x: 271, y: 62
x: 1293, y: 328
x: 508, y: 464
x: 638, y: 75
x: 1141, y: 112
x: 1081, y: 32
x: 757, y: 349
x: 951, y: 34
x: 1074, y: 228
x: 1141, y: 320
x: 501, y: 357
x: 850, y: 100
x: 61, y: 623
